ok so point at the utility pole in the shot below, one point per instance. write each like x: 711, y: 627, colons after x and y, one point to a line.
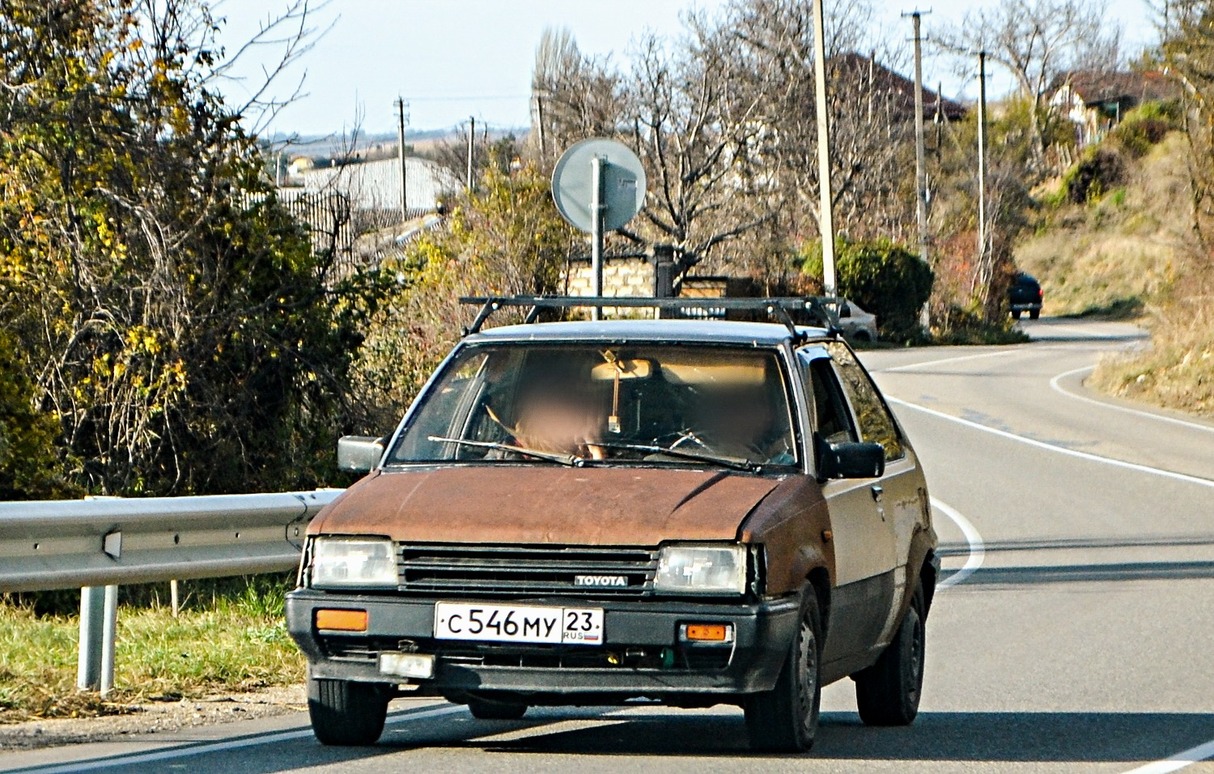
x: 404, y: 198
x: 539, y: 123
x: 826, y: 222
x: 471, y: 147
x: 920, y: 163
x: 981, y: 156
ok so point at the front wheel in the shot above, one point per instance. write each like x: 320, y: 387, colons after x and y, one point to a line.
x: 887, y: 693
x: 785, y: 719
x: 345, y: 713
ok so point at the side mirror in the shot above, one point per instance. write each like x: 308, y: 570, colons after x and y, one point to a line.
x: 852, y: 460
x: 359, y: 453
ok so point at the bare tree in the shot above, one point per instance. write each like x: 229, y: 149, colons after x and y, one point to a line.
x: 1036, y: 41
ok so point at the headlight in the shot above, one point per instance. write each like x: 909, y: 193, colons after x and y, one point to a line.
x: 701, y: 569
x: 348, y: 563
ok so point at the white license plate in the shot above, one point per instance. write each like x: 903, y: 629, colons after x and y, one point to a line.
x: 515, y: 623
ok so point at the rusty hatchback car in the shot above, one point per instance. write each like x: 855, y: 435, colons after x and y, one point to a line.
x: 692, y: 512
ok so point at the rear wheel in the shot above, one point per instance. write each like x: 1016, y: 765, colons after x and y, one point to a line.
x: 1036, y: 313
x: 1015, y: 314
x: 346, y: 713
x: 496, y: 710
x: 887, y: 693
x: 785, y: 719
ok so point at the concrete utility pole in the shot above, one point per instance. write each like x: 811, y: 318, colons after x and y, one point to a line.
x: 981, y: 156
x: 826, y: 222
x: 471, y: 147
x: 404, y: 198
x: 920, y: 163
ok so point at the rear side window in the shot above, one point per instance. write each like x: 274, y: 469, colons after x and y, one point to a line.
x: 876, y: 423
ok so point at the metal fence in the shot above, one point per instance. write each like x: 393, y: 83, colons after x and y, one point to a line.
x: 96, y: 545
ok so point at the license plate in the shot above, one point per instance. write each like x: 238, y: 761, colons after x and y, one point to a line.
x: 514, y: 623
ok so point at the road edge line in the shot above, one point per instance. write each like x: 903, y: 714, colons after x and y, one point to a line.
x: 1180, y: 760
x: 1059, y: 449
x: 977, y: 548
x: 1058, y: 388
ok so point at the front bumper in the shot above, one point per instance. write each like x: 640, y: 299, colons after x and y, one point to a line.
x: 641, y: 654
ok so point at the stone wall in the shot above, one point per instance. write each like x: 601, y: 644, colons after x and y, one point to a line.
x: 629, y: 276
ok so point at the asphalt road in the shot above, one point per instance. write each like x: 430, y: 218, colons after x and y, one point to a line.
x: 1076, y: 631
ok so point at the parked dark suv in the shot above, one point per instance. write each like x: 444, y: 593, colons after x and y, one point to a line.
x: 1025, y: 295
x: 692, y: 511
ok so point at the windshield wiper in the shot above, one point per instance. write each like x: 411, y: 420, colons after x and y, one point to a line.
x: 569, y: 460
x: 734, y: 463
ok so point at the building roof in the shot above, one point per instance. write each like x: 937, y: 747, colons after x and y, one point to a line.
x: 375, y: 185
x: 1096, y: 86
x: 898, y: 87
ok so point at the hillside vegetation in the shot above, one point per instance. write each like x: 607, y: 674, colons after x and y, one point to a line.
x: 1128, y: 249
x: 1115, y: 254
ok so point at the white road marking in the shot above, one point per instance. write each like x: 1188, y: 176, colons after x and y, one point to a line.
x: 1057, y: 387
x: 1178, y: 761
x: 548, y: 729
x: 976, y: 547
x: 958, y: 359
x: 172, y: 753
x: 1059, y: 449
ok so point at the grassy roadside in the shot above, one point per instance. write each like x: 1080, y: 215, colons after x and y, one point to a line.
x: 1177, y: 371
x: 229, y: 637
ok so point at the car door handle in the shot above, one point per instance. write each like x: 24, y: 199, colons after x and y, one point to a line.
x: 878, y: 492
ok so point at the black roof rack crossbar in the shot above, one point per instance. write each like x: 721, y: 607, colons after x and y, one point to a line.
x: 783, y: 308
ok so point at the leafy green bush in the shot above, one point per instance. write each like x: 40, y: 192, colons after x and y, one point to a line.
x: 882, y: 276
x: 1101, y: 169
x: 28, y: 462
x: 1146, y: 126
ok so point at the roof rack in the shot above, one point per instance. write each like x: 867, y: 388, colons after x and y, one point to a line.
x: 785, y: 309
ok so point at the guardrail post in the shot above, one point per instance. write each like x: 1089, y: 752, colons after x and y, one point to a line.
x: 98, y: 630
x: 109, y: 633
x: 92, y: 613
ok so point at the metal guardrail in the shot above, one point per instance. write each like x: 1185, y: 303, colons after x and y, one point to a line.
x: 96, y: 545
x: 63, y: 544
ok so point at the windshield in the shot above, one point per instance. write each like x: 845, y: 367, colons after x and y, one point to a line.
x: 588, y: 404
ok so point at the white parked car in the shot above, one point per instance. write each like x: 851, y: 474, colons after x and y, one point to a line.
x: 857, y: 324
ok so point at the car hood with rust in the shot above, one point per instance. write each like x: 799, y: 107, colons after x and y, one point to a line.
x: 517, y: 504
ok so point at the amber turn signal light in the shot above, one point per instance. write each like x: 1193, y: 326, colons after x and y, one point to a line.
x: 342, y: 620
x: 708, y: 632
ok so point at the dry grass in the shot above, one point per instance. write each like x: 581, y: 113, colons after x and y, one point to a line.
x: 228, y: 643
x: 1178, y: 370
x: 1119, y: 254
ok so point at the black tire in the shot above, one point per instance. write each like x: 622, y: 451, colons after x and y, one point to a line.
x: 1035, y: 314
x: 345, y: 713
x: 1015, y: 314
x: 496, y: 710
x: 785, y: 719
x: 888, y: 692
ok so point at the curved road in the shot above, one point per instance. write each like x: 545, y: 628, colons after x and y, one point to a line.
x: 1075, y: 632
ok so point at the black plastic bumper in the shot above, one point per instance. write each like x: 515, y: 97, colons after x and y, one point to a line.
x: 641, y: 654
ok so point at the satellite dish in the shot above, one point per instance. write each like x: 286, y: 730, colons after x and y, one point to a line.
x: 622, y: 180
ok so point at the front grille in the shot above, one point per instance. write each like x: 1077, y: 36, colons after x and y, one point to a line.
x: 515, y: 571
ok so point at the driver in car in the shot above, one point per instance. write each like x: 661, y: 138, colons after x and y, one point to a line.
x: 739, y: 421
x: 558, y: 418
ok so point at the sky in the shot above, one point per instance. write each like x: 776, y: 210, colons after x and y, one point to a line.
x: 451, y: 59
